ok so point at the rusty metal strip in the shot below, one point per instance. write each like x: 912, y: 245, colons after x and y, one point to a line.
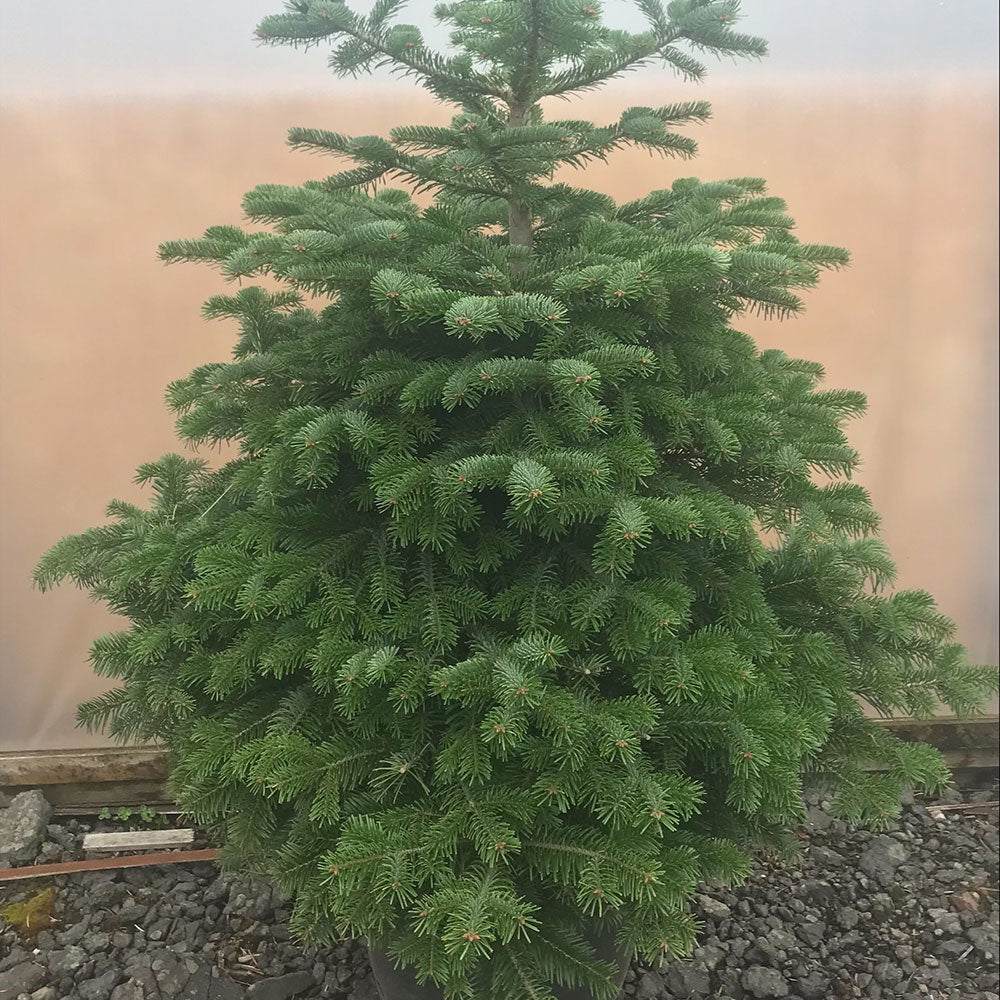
x: 967, y: 807
x: 104, y: 864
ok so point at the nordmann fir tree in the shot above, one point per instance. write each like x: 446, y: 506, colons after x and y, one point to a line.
x: 535, y: 587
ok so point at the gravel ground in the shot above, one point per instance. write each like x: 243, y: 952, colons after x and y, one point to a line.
x: 911, y: 912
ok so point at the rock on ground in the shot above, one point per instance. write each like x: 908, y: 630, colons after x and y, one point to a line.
x: 764, y: 982
x: 881, y: 860
x: 25, y: 977
x: 22, y: 826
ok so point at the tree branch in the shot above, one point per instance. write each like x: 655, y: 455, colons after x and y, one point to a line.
x: 606, y: 71
x: 478, y: 83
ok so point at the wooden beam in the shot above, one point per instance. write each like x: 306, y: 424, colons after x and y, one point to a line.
x: 947, y: 733
x: 137, y: 840
x: 84, y: 781
x: 38, y: 768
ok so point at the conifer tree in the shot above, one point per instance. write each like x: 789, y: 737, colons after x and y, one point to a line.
x: 535, y: 588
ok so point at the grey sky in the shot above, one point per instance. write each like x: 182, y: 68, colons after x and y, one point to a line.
x: 140, y: 47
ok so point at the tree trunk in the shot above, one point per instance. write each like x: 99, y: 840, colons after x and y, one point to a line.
x: 519, y: 226
x: 400, y: 984
x: 519, y: 229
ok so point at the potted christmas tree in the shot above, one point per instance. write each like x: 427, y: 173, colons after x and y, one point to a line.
x: 535, y: 587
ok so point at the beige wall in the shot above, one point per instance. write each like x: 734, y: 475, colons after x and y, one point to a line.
x: 93, y: 327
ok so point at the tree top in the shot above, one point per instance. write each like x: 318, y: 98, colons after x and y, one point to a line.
x: 510, y: 54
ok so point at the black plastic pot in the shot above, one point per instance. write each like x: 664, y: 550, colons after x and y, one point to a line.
x: 400, y: 984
